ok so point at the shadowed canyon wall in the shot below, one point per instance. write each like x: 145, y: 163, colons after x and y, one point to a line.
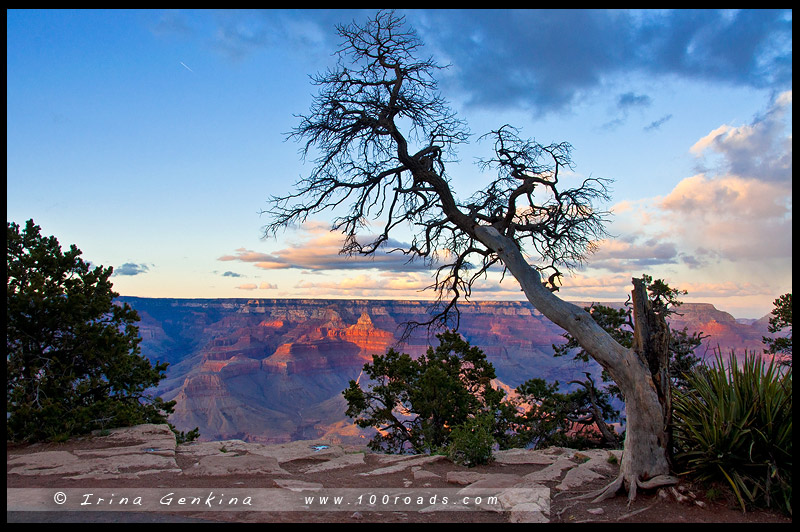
x: 273, y: 370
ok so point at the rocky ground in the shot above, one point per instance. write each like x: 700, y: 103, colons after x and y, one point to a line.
x: 284, y: 483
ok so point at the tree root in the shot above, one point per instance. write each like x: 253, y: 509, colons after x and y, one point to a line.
x: 633, y: 484
x: 631, y: 514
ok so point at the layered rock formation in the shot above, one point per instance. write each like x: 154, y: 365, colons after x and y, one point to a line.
x: 272, y: 371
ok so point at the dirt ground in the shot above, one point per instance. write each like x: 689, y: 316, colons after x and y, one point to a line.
x: 564, y: 506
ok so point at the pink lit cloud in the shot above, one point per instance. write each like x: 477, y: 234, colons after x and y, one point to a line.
x: 315, y: 247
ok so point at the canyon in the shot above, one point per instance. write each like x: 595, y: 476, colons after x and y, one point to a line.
x: 273, y: 370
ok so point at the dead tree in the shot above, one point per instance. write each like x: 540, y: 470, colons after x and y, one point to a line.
x: 381, y: 138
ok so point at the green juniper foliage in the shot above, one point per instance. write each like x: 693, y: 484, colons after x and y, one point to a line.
x: 416, y: 404
x: 472, y: 442
x: 73, y: 356
x: 780, y: 319
x: 548, y: 417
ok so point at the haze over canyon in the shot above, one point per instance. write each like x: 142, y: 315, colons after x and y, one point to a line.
x: 273, y: 370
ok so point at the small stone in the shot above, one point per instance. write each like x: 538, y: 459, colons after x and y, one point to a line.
x: 596, y: 511
x: 678, y: 496
x: 357, y: 515
x: 580, y: 457
x: 421, y: 474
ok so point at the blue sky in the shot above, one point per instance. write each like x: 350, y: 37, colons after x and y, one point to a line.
x: 153, y: 139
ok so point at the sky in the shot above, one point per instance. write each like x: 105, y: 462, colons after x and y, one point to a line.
x: 153, y: 140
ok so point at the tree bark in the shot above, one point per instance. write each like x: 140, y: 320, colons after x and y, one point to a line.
x: 651, y: 342
x: 645, y: 462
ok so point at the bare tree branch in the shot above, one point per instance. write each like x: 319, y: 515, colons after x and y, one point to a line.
x: 379, y: 101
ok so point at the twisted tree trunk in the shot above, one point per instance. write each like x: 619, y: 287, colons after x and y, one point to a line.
x: 641, y: 372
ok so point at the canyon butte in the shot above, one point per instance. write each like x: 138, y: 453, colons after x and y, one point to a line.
x: 273, y: 370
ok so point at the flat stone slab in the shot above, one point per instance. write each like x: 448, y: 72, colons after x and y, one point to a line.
x: 302, y: 449
x: 157, y: 436
x: 551, y: 472
x: 150, y: 449
x: 421, y: 474
x: 392, y: 458
x: 297, y: 485
x: 524, y: 456
x: 130, y: 463
x: 527, y: 503
x: 464, y: 477
x: 489, y: 481
x: 212, y: 448
x: 40, y: 463
x: 144, y: 450
x: 339, y: 462
x: 130, y: 449
x: 283, y: 452
x: 577, y: 477
x: 528, y: 513
x: 599, y: 460
x: 402, y: 465
x: 131, y: 466
x: 111, y: 475
x: 594, y: 464
x: 235, y: 464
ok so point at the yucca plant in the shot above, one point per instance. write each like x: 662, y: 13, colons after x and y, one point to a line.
x: 734, y: 424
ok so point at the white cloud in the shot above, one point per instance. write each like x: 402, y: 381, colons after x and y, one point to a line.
x: 759, y: 150
x: 743, y: 209
x: 701, y: 145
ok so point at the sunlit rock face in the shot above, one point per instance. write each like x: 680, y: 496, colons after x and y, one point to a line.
x: 273, y: 370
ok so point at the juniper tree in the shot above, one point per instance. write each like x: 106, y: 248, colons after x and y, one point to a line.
x: 73, y: 361
x: 415, y: 403
x: 780, y: 318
